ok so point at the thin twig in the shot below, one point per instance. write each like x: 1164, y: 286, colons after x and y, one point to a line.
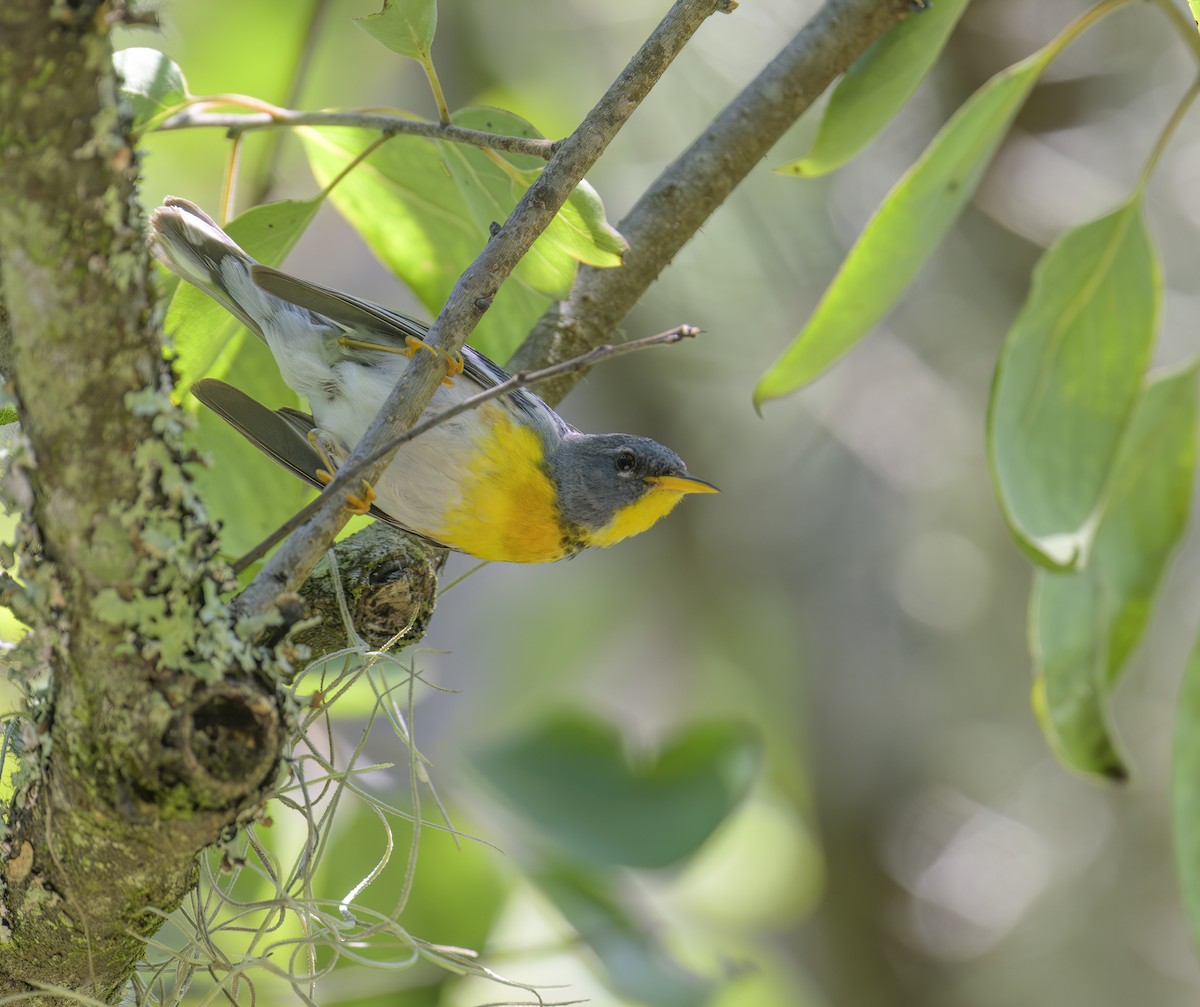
x: 275, y: 118
x: 685, y: 195
x: 473, y: 293
x: 520, y: 379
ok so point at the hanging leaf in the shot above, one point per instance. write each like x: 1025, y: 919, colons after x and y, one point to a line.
x: 876, y: 86
x: 1185, y: 791
x: 571, y: 776
x: 1085, y: 625
x: 404, y: 26
x: 413, y: 215
x: 906, y: 228
x: 152, y: 83
x: 1067, y: 380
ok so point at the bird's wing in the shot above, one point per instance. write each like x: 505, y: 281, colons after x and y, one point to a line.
x: 282, y: 435
x: 350, y: 313
x: 391, y: 329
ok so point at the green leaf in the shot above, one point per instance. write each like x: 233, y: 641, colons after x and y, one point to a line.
x: 636, y: 965
x: 1084, y: 625
x: 905, y: 229
x: 492, y: 183
x: 206, y: 337
x: 571, y: 777
x: 413, y: 215
x: 1185, y: 790
x: 875, y: 87
x: 404, y: 26
x: 151, y: 82
x: 8, y: 414
x: 1067, y: 380
x: 582, y: 230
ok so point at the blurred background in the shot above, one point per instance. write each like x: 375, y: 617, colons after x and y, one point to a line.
x: 852, y: 593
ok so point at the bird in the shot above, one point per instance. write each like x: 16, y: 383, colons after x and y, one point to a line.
x: 509, y: 480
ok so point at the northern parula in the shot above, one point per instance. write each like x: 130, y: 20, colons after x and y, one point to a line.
x: 509, y: 480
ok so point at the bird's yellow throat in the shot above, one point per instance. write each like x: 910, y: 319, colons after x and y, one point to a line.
x: 509, y: 509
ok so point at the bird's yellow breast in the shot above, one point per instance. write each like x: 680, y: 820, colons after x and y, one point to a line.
x: 508, y: 510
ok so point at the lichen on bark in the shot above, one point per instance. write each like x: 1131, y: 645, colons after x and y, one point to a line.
x: 151, y: 726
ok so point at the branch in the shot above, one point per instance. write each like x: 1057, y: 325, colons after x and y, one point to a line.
x: 685, y: 195
x: 473, y: 294
x: 388, y: 581
x: 272, y: 117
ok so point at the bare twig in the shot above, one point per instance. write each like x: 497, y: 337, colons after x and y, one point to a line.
x: 473, y: 293
x: 520, y: 379
x: 274, y: 118
x: 685, y: 195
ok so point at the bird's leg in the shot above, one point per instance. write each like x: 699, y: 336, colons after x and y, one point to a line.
x: 454, y: 363
x: 354, y: 504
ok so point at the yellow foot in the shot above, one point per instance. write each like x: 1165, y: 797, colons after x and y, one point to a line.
x: 454, y: 364
x: 354, y: 504
x: 361, y: 504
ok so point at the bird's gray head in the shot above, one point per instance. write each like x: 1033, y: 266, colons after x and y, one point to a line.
x: 616, y: 485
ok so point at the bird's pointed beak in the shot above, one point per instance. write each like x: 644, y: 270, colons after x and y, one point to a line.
x: 681, y: 484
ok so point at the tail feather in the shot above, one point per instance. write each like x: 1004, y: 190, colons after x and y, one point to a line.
x: 192, y: 245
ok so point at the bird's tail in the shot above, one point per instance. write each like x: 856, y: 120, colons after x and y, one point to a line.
x: 191, y: 244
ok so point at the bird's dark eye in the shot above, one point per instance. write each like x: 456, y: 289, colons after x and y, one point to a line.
x: 625, y: 461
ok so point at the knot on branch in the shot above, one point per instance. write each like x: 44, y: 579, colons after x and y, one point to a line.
x: 389, y: 582
x: 230, y: 738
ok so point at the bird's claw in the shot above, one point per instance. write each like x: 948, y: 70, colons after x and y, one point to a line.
x: 454, y: 363
x: 354, y: 504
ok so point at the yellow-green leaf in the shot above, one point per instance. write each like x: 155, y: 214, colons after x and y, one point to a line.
x: 151, y: 82
x: 905, y: 229
x: 415, y: 216
x: 875, y: 87
x: 1066, y: 382
x: 492, y: 183
x: 404, y: 26
x: 1185, y: 788
x: 1084, y: 625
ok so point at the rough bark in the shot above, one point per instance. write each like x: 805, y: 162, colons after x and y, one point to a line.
x: 151, y: 728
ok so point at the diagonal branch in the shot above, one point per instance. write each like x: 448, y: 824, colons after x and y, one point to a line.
x: 473, y: 294
x: 685, y: 195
